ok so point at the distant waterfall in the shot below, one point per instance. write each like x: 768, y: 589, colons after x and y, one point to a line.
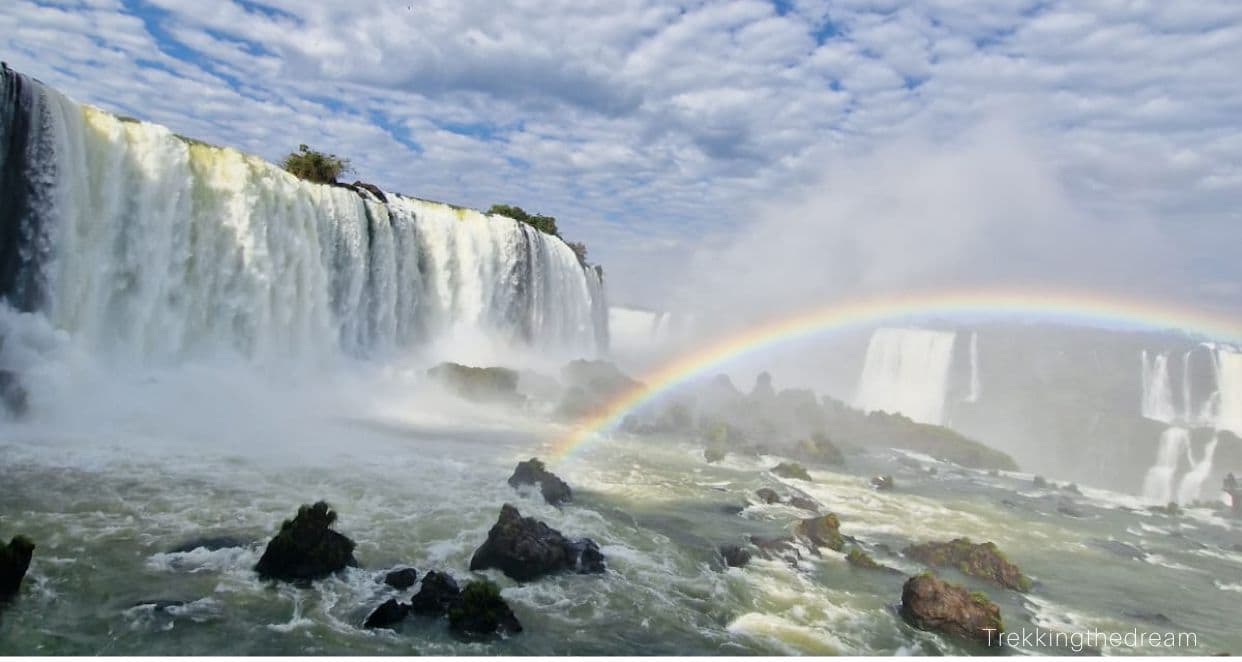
x: 1229, y: 390
x: 150, y: 247
x: 1159, y: 482
x: 1157, y: 390
x: 907, y: 371
x: 975, y: 391
x: 1191, y: 485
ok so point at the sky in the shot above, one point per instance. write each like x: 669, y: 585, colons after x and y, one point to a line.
x: 765, y: 152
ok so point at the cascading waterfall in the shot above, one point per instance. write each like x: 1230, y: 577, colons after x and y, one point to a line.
x: 1228, y: 399
x: 1191, y: 485
x: 1157, y: 391
x: 975, y: 391
x: 1159, y: 482
x: 150, y: 247
x: 907, y: 371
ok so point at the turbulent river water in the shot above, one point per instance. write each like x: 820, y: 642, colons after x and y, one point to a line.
x: 419, y: 479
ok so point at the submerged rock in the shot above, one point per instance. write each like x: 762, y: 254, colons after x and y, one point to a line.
x: 1122, y: 549
x: 791, y: 470
x: 478, y: 384
x: 928, y: 603
x: 1171, y: 509
x: 1069, y: 509
x: 983, y: 560
x: 387, y: 615
x: 1039, y: 482
x: 533, y: 472
x: 713, y: 454
x: 14, y: 562
x: 768, y: 495
x: 823, y: 531
x: 883, y: 483
x: 804, y: 503
x: 307, y: 547
x: 480, y: 611
x: 735, y: 556
x: 438, y: 591
x: 777, y: 548
x: 524, y: 548
x: 209, y: 543
x: 401, y: 578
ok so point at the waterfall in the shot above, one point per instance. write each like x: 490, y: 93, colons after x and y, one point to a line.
x: 150, y: 247
x: 907, y: 371
x: 1157, y: 391
x: 1191, y: 485
x: 1228, y: 399
x: 1158, y: 484
x: 975, y: 393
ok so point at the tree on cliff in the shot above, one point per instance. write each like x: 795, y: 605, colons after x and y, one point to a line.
x: 315, y: 166
x: 545, y: 224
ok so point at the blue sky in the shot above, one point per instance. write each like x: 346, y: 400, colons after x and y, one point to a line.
x: 846, y: 144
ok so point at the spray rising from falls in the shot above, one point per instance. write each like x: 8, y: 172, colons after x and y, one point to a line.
x: 150, y: 247
x: 907, y: 371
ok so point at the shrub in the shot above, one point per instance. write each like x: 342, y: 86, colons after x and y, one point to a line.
x: 314, y: 166
x: 545, y: 224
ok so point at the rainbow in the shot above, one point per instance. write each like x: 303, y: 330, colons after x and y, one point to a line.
x: 1081, y: 308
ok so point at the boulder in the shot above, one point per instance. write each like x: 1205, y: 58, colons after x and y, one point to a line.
x: 857, y: 558
x: 791, y: 470
x: 533, y: 472
x: 480, y: 612
x: 524, y: 548
x: 822, y: 531
x: 882, y: 483
x: 777, y: 548
x: 804, y: 503
x: 928, y: 603
x: 478, y: 384
x: 14, y: 562
x: 387, y: 615
x: 984, y: 561
x: 1069, y: 509
x: 713, y: 454
x: 306, y: 547
x: 735, y: 556
x: 819, y: 448
x: 438, y: 591
x: 401, y: 578
x: 372, y: 189
x: 768, y: 495
x: 209, y: 543
x: 1040, y: 482
x: 1072, y: 488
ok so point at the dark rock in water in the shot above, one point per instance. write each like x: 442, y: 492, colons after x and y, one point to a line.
x: 791, y: 470
x: 804, y: 503
x: 401, y: 578
x: 713, y: 454
x: 822, y: 531
x: 1171, y: 509
x: 372, y: 189
x: 162, y: 605
x: 928, y: 603
x: 307, y: 547
x: 1119, y: 548
x: 735, y: 556
x: 819, y: 448
x: 13, y: 395
x: 1231, y: 487
x: 1068, y: 509
x: 768, y: 495
x: 1009, y: 503
x: 209, y: 543
x: 983, y: 560
x: 777, y: 548
x: 533, y: 472
x: 883, y: 483
x: 478, y: 384
x: 1072, y: 488
x: 1040, y: 482
x: 387, y: 615
x: 438, y: 592
x: 524, y: 548
x: 732, y: 509
x: 14, y: 562
x: 480, y: 611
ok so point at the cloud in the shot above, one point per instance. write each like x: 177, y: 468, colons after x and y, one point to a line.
x: 657, y: 131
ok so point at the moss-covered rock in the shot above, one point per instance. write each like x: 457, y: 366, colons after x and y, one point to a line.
x: 860, y: 559
x: 480, y: 611
x: 983, y: 560
x: 930, y: 604
x: 306, y: 547
x: 824, y: 531
x: 791, y: 470
x: 478, y: 384
x: 533, y: 472
x: 14, y: 562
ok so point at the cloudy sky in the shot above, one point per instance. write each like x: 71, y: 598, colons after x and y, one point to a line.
x: 1095, y: 142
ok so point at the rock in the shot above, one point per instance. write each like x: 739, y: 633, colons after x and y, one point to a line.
x: 804, y: 503
x: 306, y: 547
x: 791, y: 470
x: 438, y: 592
x: 1040, y: 482
x: 480, y: 611
x: 401, y: 578
x: 387, y: 615
x: 524, y: 548
x: 209, y: 543
x: 883, y: 483
x: 478, y: 384
x: 822, y: 531
x: 819, y: 448
x: 713, y: 454
x: 533, y: 472
x: 735, y: 556
x: 930, y: 604
x: 13, y: 395
x: 983, y: 560
x: 14, y: 562
x: 860, y: 559
x: 159, y: 604
x: 1231, y: 487
x: 1119, y: 548
x: 372, y: 189
x: 1072, y: 488
x: 598, y: 378
x: 1068, y: 509
x: 1171, y: 509
x: 768, y: 495
x: 777, y: 548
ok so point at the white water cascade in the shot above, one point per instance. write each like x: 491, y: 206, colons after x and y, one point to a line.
x: 1159, y: 483
x: 907, y: 371
x: 975, y: 390
x: 148, y: 247
x: 1228, y: 390
x: 1157, y: 390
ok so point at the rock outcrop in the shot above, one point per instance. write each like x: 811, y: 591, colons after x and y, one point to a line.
x: 524, y: 548
x: 930, y: 604
x: 481, y: 612
x: 791, y: 470
x: 983, y: 560
x: 437, y: 593
x: 824, y: 531
x: 387, y: 615
x: 401, y: 578
x: 735, y: 556
x: 768, y: 495
x: 306, y: 547
x: 14, y: 562
x: 478, y: 384
x: 533, y: 472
